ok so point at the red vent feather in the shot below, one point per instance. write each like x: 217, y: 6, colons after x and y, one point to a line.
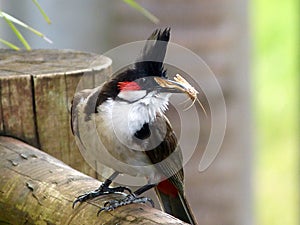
x: 167, y: 188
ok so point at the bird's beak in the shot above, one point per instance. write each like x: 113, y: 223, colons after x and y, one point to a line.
x: 165, y: 85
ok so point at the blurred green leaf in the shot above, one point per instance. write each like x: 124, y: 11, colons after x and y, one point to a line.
x: 11, y: 45
x: 276, y: 96
x: 47, y: 19
x: 8, y: 20
x: 142, y: 10
x: 20, y: 23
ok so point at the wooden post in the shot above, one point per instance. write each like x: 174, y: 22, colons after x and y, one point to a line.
x: 36, y: 188
x: 36, y: 89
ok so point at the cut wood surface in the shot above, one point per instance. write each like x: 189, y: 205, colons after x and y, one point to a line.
x: 36, y: 89
x: 36, y: 188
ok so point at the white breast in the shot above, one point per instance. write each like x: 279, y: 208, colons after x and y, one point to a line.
x: 107, y: 137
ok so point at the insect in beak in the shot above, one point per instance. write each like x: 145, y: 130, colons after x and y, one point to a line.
x: 190, y: 91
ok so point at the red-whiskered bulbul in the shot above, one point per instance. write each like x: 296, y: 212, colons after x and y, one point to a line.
x: 126, y: 114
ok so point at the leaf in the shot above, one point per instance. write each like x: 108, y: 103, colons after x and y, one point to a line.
x: 42, y: 11
x: 142, y: 10
x: 15, y: 30
x: 16, y: 21
x: 9, y: 44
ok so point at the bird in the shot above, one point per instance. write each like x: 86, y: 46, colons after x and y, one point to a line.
x: 126, y: 114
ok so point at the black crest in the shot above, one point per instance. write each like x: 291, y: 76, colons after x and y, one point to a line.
x: 149, y: 63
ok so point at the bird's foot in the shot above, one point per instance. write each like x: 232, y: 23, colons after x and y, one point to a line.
x: 102, y: 190
x: 129, y: 199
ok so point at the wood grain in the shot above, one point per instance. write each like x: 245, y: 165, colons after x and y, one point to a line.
x: 36, y: 188
x: 36, y: 90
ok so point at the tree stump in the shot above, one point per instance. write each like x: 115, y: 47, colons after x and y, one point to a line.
x: 36, y: 89
x: 36, y: 188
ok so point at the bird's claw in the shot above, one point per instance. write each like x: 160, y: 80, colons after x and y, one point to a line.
x: 102, y: 190
x: 129, y: 199
x: 80, y: 198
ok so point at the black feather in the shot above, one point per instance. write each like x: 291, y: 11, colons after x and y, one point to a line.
x: 148, y: 64
x: 143, y: 133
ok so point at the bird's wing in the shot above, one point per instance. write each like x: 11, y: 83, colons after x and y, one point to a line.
x: 78, y: 97
x: 167, y: 156
x: 90, y: 96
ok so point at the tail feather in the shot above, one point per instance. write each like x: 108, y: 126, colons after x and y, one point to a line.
x: 187, y: 209
x: 175, y: 204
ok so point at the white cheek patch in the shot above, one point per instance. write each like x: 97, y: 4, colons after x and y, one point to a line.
x: 132, y: 96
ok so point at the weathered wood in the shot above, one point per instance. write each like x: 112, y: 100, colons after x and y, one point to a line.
x: 36, y: 89
x: 16, y: 109
x: 36, y: 188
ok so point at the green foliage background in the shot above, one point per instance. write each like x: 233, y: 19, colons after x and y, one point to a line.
x: 275, y: 31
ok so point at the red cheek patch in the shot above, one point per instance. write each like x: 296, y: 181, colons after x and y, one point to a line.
x: 128, y: 86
